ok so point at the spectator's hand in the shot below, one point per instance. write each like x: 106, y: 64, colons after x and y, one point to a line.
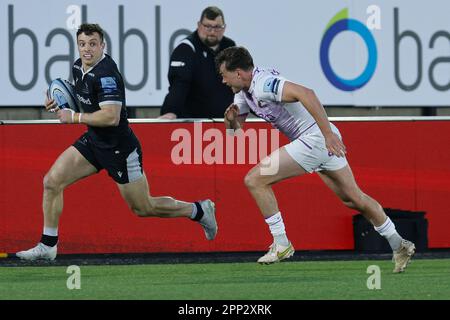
x: 335, y: 145
x: 168, y: 116
x: 231, y: 114
x: 50, y: 104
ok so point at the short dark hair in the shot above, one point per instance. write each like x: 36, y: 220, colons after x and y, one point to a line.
x: 212, y: 13
x: 234, y: 58
x: 89, y: 28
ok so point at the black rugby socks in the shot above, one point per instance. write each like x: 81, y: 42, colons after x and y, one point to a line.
x: 197, y: 212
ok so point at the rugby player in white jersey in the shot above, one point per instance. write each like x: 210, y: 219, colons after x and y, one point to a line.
x: 316, y: 146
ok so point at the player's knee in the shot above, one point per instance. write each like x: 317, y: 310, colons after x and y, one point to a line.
x: 250, y: 181
x: 51, y: 182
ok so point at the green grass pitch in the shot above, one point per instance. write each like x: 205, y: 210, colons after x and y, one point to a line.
x: 343, y: 280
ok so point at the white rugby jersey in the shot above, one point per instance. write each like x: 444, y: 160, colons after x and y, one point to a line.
x: 264, y: 99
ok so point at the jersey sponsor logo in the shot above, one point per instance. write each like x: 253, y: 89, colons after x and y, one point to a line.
x: 177, y: 64
x: 83, y: 100
x: 271, y: 85
x: 265, y: 115
x: 263, y: 104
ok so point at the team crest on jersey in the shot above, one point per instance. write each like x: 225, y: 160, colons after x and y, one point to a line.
x: 271, y: 85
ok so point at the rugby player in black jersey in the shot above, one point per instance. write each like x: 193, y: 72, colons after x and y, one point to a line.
x: 109, y: 144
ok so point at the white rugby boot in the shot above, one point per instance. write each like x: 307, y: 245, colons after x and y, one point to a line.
x: 208, y: 221
x: 277, y: 253
x: 403, y: 256
x: 41, y: 251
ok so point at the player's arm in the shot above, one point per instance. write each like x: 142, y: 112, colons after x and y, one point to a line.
x: 110, y: 98
x: 232, y: 118
x: 107, y: 116
x: 236, y: 113
x: 293, y: 92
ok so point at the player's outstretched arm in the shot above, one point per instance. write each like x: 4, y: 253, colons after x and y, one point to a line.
x: 232, y: 119
x: 293, y: 92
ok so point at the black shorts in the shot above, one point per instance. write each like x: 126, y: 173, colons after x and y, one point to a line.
x: 123, y: 162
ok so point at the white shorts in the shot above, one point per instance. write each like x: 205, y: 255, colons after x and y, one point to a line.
x: 310, y: 152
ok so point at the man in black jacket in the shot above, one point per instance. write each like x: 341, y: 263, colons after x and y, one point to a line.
x: 196, y: 89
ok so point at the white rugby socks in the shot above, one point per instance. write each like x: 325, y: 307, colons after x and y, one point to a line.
x: 50, y: 231
x: 387, y: 230
x: 194, y: 211
x: 276, y: 226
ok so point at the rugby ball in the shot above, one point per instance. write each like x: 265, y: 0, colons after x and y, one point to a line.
x: 63, y: 92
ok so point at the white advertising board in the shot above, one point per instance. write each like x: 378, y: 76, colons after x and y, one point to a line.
x: 362, y: 53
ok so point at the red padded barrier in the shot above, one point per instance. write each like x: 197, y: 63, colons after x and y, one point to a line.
x: 402, y: 164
